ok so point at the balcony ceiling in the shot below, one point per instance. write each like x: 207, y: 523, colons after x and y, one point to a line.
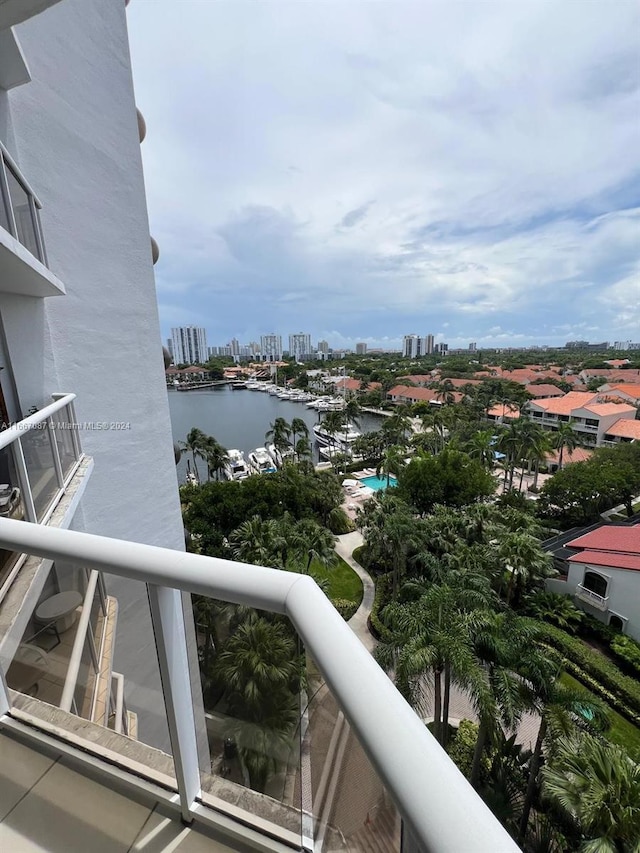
x: 22, y: 273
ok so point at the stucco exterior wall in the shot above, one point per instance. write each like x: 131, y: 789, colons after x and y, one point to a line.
x: 73, y: 133
x: 623, y: 592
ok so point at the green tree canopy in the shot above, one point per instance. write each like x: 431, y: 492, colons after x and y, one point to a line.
x: 452, y: 478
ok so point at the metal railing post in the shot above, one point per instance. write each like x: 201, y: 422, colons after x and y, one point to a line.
x: 168, y: 626
x: 23, y: 480
x: 57, y: 464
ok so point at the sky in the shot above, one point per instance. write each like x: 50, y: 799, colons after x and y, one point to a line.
x: 365, y: 170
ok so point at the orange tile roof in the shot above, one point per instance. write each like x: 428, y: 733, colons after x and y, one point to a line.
x: 564, y: 405
x: 629, y: 388
x: 604, y: 409
x: 579, y: 454
x: 420, y: 394
x: 503, y: 410
x: 545, y: 391
x: 625, y: 428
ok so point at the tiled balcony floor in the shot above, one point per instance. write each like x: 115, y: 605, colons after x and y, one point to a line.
x: 46, y: 806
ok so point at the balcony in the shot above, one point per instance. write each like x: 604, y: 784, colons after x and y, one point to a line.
x: 355, y: 764
x: 42, y: 475
x: 23, y: 259
x: 592, y: 598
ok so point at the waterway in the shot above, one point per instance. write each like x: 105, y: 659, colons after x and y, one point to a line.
x: 239, y: 419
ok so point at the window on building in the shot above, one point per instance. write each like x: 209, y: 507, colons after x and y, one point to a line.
x: 595, y: 583
x: 616, y: 623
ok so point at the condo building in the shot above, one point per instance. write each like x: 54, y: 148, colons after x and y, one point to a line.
x: 189, y: 345
x: 105, y: 744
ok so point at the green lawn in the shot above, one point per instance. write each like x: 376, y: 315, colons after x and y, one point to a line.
x: 622, y: 731
x: 343, y: 581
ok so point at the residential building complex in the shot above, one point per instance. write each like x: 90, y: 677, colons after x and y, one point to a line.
x: 300, y: 346
x: 587, y: 413
x: 189, y: 345
x: 271, y: 347
x: 361, y: 349
x: 413, y: 346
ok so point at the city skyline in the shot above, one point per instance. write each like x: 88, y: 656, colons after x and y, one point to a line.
x: 502, y: 209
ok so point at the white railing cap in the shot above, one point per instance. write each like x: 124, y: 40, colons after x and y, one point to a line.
x: 16, y: 430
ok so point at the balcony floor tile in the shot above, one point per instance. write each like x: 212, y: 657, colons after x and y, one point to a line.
x: 20, y: 769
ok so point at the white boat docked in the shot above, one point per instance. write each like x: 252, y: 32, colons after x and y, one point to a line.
x: 191, y: 477
x: 261, y: 462
x: 235, y: 466
x: 279, y: 457
x: 342, y: 440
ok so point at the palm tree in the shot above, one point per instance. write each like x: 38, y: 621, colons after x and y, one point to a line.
x: 260, y: 670
x: 194, y: 445
x: 333, y: 424
x: 480, y: 447
x: 298, y: 428
x: 279, y: 432
x: 352, y: 411
x: 565, y: 436
x: 315, y: 542
x: 445, y: 391
x: 391, y: 463
x: 257, y: 541
x: 534, y: 446
x: 303, y: 449
x: 561, y: 710
x: 215, y: 455
x: 598, y: 786
x: 524, y: 559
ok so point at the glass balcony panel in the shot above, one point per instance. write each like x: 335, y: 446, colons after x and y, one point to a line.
x: 345, y: 803
x: 123, y: 641
x: 64, y: 439
x: 22, y: 213
x: 4, y: 217
x: 11, y: 505
x: 251, y: 757
x: 38, y: 457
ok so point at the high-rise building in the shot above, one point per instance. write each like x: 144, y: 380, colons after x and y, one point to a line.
x: 170, y: 347
x: 323, y: 347
x: 361, y: 349
x: 189, y: 345
x: 413, y: 346
x: 428, y: 345
x: 441, y: 349
x: 472, y: 347
x: 271, y: 347
x: 300, y: 346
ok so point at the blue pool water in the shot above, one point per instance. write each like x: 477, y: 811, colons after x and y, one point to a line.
x: 378, y: 483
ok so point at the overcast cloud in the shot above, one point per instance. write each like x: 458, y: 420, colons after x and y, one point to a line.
x: 365, y: 170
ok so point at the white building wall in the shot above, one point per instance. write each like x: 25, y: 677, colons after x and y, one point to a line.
x: 73, y: 133
x: 623, y: 592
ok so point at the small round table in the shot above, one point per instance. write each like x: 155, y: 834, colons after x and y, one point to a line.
x: 60, y: 610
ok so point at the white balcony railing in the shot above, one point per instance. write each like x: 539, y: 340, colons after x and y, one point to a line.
x: 20, y: 208
x: 440, y: 809
x: 593, y: 598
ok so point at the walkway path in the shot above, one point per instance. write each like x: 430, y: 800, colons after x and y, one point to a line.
x: 460, y: 707
x: 345, y: 546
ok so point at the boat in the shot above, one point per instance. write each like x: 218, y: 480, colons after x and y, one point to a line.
x: 273, y: 389
x: 342, y: 440
x: 261, y: 462
x: 191, y: 477
x: 279, y: 457
x: 235, y: 466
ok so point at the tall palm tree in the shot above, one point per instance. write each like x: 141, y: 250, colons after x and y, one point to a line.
x: 314, y: 542
x: 562, y: 710
x: 215, y: 455
x: 598, y: 786
x: 524, y: 559
x: 391, y: 463
x: 298, y: 428
x: 565, y: 437
x: 445, y: 391
x: 303, y: 450
x: 194, y: 444
x: 352, y: 411
x: 279, y: 433
x: 334, y: 423
x: 259, y: 668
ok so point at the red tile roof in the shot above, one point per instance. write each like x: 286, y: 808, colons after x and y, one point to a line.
x: 611, y: 560
x: 631, y: 389
x: 420, y: 394
x: 503, y: 410
x: 625, y: 428
x: 610, y: 537
x: 564, y: 405
x: 356, y: 385
x: 580, y: 454
x: 604, y: 409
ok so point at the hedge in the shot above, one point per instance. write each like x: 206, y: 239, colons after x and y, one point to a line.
x: 628, y: 652
x: 594, y: 670
x: 345, y: 607
x: 381, y: 598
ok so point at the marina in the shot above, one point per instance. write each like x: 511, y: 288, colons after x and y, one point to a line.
x: 239, y: 419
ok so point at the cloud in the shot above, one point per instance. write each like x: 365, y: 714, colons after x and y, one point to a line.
x: 505, y: 176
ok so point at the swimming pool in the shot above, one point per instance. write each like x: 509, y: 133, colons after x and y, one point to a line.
x: 378, y: 484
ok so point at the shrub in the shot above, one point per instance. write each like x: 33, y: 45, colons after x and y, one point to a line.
x: 463, y: 745
x: 593, y: 670
x: 360, y: 555
x: 381, y: 598
x: 628, y: 651
x: 345, y: 607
